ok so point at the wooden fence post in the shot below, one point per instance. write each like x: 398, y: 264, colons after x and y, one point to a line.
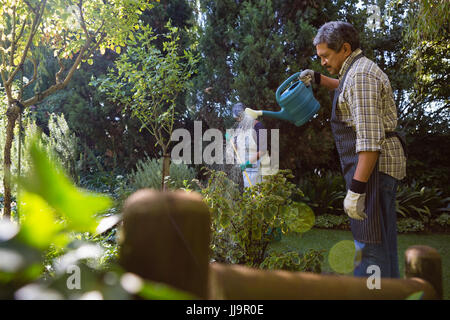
x: 166, y: 238
x: 426, y: 263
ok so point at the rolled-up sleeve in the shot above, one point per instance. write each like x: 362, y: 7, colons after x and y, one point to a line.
x: 366, y: 111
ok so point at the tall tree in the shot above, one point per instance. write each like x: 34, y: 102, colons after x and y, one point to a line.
x: 100, y: 124
x: 148, y: 81
x: 74, y: 30
x: 426, y: 33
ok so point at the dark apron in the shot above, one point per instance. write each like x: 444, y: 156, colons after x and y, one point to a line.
x: 369, y: 229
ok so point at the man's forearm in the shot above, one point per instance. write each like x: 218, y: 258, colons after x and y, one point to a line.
x: 328, y: 82
x: 366, y: 163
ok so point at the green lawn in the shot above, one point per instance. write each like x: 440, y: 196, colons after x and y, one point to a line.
x: 326, y: 239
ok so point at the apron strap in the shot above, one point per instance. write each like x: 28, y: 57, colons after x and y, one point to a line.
x: 338, y: 91
x: 341, y: 82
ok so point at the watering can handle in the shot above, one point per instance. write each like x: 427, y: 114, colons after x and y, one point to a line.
x: 285, y: 84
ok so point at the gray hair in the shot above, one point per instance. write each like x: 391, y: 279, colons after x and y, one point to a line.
x: 335, y: 34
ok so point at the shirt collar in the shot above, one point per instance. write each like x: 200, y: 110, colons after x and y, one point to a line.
x: 348, y: 61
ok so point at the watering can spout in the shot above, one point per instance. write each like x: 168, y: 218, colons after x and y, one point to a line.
x: 282, y: 115
x: 253, y: 113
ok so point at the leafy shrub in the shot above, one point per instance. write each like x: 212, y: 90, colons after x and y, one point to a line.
x: 100, y: 181
x: 331, y: 221
x: 241, y: 222
x: 63, y: 145
x: 442, y: 222
x: 406, y: 225
x: 428, y: 159
x: 148, y: 175
x: 310, y: 261
x: 324, y: 193
x: 421, y: 203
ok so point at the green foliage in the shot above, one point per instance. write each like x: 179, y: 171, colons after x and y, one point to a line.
x: 248, y: 49
x: 109, y: 139
x: 45, y: 182
x: 104, y: 127
x: 430, y: 21
x: 331, y: 221
x: 443, y: 220
x: 252, y: 47
x: 442, y: 223
x: 62, y: 220
x: 68, y: 30
x: 29, y: 129
x: 426, y: 33
x: 241, y: 222
x: 406, y: 225
x: 62, y: 144
x: 415, y: 296
x: 148, y: 80
x: 60, y: 26
x: 421, y: 203
x: 427, y: 161
x: 148, y: 175
x: 51, y: 208
x: 310, y: 261
x: 324, y: 193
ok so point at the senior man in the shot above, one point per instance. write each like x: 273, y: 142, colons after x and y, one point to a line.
x: 363, y: 122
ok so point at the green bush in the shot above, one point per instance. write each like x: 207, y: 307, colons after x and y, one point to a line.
x: 428, y: 159
x: 241, y: 223
x: 148, y: 175
x: 406, y: 225
x: 324, y: 193
x: 418, y: 208
x: 310, y: 261
x: 442, y: 222
x: 421, y: 203
x: 331, y: 221
x: 62, y: 145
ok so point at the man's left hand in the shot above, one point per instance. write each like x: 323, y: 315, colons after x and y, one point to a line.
x: 354, y: 205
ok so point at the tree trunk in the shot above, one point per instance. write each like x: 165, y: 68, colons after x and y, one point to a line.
x: 165, y: 170
x: 12, y: 114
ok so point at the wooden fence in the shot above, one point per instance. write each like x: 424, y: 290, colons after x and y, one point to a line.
x: 166, y: 236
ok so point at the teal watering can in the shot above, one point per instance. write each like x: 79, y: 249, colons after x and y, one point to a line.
x: 297, y: 103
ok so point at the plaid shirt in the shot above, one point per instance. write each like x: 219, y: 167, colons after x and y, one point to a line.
x: 367, y: 104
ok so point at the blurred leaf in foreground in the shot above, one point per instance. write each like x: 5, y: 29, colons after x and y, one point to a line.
x: 415, y: 296
x: 48, y: 180
x: 38, y: 224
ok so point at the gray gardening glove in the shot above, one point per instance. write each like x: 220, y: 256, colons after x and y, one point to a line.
x: 354, y: 205
x: 306, y: 76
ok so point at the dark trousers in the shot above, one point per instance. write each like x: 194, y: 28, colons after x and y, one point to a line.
x: 383, y: 255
